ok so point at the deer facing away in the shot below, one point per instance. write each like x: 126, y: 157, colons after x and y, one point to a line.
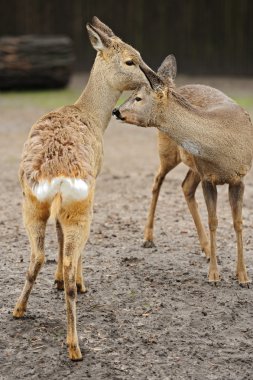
x: 61, y: 160
x: 215, y: 139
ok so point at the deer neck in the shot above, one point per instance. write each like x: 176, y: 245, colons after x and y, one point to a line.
x: 188, y: 126
x: 98, y: 98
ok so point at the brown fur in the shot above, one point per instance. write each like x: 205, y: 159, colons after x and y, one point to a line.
x: 171, y: 155
x: 68, y: 142
x: 62, y: 143
x: 56, y: 206
x: 213, y: 136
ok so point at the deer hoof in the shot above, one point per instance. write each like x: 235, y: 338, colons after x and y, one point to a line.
x: 148, y: 244
x: 214, y: 276
x: 18, y: 312
x: 75, y: 352
x: 243, y: 278
x: 81, y: 288
x: 59, y: 284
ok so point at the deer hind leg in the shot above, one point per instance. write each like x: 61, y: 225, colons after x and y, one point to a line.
x: 210, y: 195
x: 236, y: 203
x: 79, y: 278
x: 35, y: 218
x: 189, y: 186
x: 76, y: 232
x: 164, y: 169
x: 73, y: 246
x: 59, y: 270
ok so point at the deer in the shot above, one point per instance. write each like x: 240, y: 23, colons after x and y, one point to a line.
x: 214, y: 136
x: 61, y: 160
x: 171, y: 155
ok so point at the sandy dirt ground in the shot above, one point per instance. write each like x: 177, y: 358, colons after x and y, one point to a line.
x: 148, y: 313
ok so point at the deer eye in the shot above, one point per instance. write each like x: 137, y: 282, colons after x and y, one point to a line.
x: 138, y: 99
x: 130, y: 62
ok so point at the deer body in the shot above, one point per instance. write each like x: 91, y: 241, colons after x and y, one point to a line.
x: 61, y: 160
x: 68, y: 142
x: 171, y: 154
x: 198, y: 131
x: 213, y: 136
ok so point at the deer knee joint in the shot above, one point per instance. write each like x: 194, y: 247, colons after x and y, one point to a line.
x: 189, y: 194
x: 69, y: 248
x: 238, y: 225
x: 40, y: 259
x: 213, y: 224
x: 37, y: 265
x: 158, y: 180
x: 71, y: 291
x: 30, y: 277
x: 67, y: 263
x: 188, y: 191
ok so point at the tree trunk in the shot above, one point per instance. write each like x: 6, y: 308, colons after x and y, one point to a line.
x: 35, y: 61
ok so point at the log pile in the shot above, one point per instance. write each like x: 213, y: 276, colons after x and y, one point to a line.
x: 35, y: 61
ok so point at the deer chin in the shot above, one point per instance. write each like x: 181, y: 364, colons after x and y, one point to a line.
x: 133, y: 120
x: 121, y: 118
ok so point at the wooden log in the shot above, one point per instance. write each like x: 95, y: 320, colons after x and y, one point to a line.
x: 35, y: 61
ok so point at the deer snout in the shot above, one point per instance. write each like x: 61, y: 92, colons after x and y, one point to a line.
x: 116, y: 112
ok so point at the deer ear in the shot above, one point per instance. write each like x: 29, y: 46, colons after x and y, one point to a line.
x: 98, y: 39
x: 103, y: 27
x: 168, y: 68
x: 154, y: 80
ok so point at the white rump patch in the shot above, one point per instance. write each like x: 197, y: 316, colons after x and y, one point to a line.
x: 71, y: 189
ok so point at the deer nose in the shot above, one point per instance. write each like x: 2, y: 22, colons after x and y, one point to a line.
x: 116, y: 113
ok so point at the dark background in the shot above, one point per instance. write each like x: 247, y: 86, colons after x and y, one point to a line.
x: 207, y: 37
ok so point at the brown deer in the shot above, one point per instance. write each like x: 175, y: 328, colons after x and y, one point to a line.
x: 61, y: 160
x: 171, y: 155
x: 215, y: 139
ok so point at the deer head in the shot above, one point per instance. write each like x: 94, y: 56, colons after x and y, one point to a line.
x: 118, y: 61
x: 148, y: 101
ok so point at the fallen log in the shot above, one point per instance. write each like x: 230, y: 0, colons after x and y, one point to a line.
x: 35, y: 61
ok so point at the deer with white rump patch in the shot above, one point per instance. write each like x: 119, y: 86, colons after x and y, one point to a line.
x: 214, y: 138
x: 61, y: 160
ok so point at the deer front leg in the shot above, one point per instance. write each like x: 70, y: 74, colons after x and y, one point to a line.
x: 59, y: 270
x: 210, y: 195
x: 35, y: 219
x: 236, y: 202
x: 148, y: 232
x: 189, y: 187
x: 159, y: 178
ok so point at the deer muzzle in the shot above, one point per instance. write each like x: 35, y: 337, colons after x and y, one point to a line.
x: 116, y: 112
